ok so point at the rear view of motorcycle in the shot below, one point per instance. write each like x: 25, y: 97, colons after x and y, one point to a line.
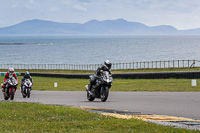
x: 101, y: 88
x: 26, y: 88
x: 11, y: 86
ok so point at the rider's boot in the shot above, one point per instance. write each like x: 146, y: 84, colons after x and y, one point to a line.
x: 89, y: 88
x: 5, y: 91
x: 22, y: 91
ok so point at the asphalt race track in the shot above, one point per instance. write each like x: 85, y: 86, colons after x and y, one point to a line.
x: 181, y: 104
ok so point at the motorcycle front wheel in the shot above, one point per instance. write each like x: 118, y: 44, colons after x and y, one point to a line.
x: 104, y: 93
x: 12, y: 94
x: 89, y: 97
x: 28, y: 93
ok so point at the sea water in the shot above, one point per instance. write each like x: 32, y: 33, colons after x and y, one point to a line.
x: 96, y: 49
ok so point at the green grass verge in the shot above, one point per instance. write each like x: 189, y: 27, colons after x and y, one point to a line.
x: 38, y: 118
x: 155, y: 85
x: 64, y: 84
x: 114, y: 71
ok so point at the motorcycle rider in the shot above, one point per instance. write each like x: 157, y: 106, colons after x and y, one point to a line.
x: 105, y: 67
x: 10, y: 73
x: 26, y: 76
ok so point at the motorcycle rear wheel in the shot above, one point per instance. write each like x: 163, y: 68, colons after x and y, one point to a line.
x: 89, y: 97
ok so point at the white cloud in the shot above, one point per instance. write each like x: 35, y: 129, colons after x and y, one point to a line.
x: 66, y: 2
x: 30, y: 4
x: 80, y: 8
x: 14, y: 5
x: 31, y: 1
x: 54, y: 9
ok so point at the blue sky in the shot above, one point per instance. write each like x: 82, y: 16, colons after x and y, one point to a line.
x: 182, y: 14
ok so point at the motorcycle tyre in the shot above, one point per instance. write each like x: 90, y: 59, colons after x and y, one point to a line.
x: 28, y: 93
x: 5, y: 97
x: 24, y: 96
x: 12, y: 94
x: 104, y: 93
x: 89, y: 97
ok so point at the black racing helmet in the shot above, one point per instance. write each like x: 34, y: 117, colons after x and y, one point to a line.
x: 108, y: 64
x: 27, y: 74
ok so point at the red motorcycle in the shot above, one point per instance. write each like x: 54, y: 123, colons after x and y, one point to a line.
x: 11, y: 86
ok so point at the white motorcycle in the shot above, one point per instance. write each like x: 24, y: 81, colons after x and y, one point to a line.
x: 26, y: 88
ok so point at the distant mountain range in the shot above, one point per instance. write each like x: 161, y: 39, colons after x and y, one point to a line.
x: 93, y: 27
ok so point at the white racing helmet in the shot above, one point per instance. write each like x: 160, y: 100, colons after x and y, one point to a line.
x: 108, y: 64
x: 11, y: 71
